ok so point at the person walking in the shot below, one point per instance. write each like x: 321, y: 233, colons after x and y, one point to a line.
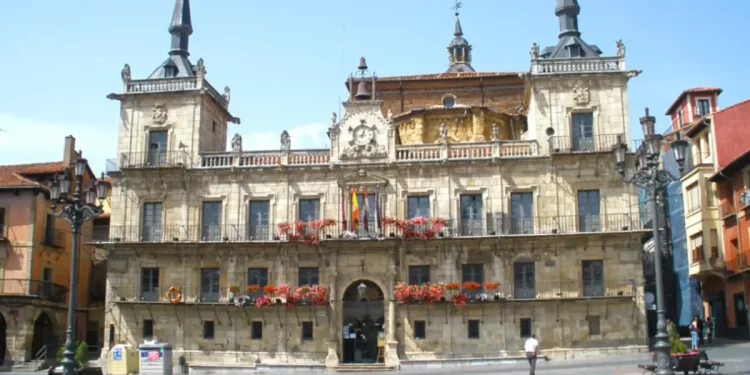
x: 531, y: 347
x: 701, y: 331
x: 709, y: 330
x: 694, y: 333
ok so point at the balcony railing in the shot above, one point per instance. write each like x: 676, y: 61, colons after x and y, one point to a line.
x: 739, y: 262
x: 127, y: 292
x: 150, y: 159
x: 578, y: 65
x: 565, y: 144
x: 44, y: 290
x: 698, y: 254
x: 495, y: 225
x: 466, y: 151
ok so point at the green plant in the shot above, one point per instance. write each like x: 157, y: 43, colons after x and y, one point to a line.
x: 674, y: 339
x: 81, y: 355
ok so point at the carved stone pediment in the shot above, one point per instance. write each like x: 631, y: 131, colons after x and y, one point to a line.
x: 159, y: 114
x: 581, y: 95
x: 364, y: 177
x: 363, y: 132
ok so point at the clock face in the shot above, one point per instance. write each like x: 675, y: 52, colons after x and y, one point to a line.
x: 363, y: 135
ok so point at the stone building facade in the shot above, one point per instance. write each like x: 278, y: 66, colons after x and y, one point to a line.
x: 496, y: 190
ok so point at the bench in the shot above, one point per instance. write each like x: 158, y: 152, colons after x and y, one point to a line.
x: 710, y: 367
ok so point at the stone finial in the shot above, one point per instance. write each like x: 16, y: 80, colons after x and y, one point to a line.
x: 534, y: 51
x: 125, y: 74
x: 620, y: 48
x: 237, y: 143
x: 200, y: 67
x: 227, y: 94
x: 286, y: 141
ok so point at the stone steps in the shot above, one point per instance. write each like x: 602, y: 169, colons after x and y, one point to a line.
x: 362, y: 368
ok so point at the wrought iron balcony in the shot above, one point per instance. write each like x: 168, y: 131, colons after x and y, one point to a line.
x: 565, y: 144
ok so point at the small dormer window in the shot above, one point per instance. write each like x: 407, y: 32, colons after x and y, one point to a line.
x: 170, y: 71
x: 449, y: 101
x: 575, y: 50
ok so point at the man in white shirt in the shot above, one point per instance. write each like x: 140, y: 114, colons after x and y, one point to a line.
x: 531, y: 347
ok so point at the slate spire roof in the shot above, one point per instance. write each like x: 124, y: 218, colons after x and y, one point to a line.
x: 459, y: 49
x: 569, y: 42
x: 181, y: 27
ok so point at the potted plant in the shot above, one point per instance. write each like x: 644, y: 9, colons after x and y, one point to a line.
x: 282, y: 293
x: 491, y: 288
x: 302, y: 294
x: 403, y: 292
x: 319, y: 294
x: 433, y: 292
x: 234, y: 290
x: 458, y: 299
x: 253, y: 288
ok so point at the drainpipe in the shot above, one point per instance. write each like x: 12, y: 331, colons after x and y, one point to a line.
x: 30, y: 261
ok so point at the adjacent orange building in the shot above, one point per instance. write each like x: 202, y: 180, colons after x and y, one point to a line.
x: 733, y: 186
x: 35, y: 249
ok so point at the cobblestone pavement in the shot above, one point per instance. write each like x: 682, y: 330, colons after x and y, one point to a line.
x: 735, y: 355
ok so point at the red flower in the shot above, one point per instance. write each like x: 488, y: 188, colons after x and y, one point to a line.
x: 471, y: 285
x: 458, y: 299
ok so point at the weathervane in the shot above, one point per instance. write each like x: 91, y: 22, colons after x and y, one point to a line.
x: 457, y: 6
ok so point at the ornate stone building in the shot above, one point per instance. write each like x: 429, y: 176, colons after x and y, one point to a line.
x: 497, y: 190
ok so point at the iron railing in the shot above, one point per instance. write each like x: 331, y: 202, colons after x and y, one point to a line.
x: 45, y: 290
x: 564, y: 144
x: 494, y: 225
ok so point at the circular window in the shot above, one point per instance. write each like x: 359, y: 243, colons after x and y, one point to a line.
x: 449, y: 101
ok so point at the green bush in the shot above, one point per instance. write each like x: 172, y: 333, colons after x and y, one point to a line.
x: 81, y: 355
x: 674, y: 339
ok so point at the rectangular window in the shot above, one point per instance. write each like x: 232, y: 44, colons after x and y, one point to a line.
x: 256, y: 330
x: 522, y: 213
x: 583, y: 131
x: 696, y: 244
x: 475, y: 273
x: 420, y: 329
x: 259, y: 277
x: 208, y: 330
x: 258, y: 228
x: 150, y: 284
x: 525, y: 324
x: 151, y: 231
x: 50, y: 232
x: 307, y: 331
x: 710, y: 194
x: 157, y: 148
x: 47, y: 284
x: 693, y: 198
x: 714, y: 243
x: 679, y: 117
x: 419, y: 275
x: 593, y: 278
x: 594, y: 325
x: 209, y: 285
x: 3, y: 230
x: 369, y: 207
x: 588, y: 211
x: 309, y: 210
x: 704, y: 107
x: 473, y: 329
x: 705, y: 140
x: 211, y: 221
x: 308, y: 276
x: 148, y: 329
x: 418, y: 205
x: 471, y: 214
x: 524, y: 280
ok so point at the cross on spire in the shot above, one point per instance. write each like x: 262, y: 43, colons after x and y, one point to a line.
x: 457, y: 6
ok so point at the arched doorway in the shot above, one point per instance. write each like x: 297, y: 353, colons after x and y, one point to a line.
x: 3, y: 339
x: 363, y: 316
x: 44, y: 334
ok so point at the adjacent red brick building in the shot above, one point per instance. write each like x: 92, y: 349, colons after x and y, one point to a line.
x: 732, y: 181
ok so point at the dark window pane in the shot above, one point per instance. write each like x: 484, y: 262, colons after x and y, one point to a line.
x: 152, y: 222
x: 419, y: 275
x: 521, y: 213
x: 473, y: 328
x: 524, y: 280
x: 307, y: 331
x: 309, y: 210
x: 210, y: 285
x: 258, y: 220
x: 471, y: 214
x: 525, y: 327
x: 157, y: 148
x: 256, y: 330
x: 420, y: 331
x: 150, y: 284
x: 308, y: 276
x: 211, y: 221
x: 588, y: 211
x: 593, y: 278
x: 208, y: 330
x: 418, y: 206
x: 148, y: 329
x: 583, y: 131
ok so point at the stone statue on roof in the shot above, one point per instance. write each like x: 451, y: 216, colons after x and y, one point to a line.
x: 286, y: 141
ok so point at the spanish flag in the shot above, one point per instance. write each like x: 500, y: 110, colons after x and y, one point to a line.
x: 355, y: 211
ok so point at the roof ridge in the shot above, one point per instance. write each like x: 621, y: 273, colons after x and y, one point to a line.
x: 6, y: 166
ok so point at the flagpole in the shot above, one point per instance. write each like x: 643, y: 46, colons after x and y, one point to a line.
x: 377, y: 208
x: 367, y: 211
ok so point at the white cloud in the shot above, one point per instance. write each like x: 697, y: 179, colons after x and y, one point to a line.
x: 29, y: 141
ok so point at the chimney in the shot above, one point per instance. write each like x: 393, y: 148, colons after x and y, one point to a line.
x: 69, y: 154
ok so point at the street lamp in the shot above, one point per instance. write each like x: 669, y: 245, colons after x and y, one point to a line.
x: 652, y: 179
x: 76, y: 208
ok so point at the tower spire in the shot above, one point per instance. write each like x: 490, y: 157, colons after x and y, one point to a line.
x: 569, y: 44
x: 459, y: 49
x: 567, y: 12
x: 181, y: 28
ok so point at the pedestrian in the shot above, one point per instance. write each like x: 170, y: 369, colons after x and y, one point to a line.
x: 709, y: 330
x: 694, y: 333
x: 701, y: 331
x: 531, y: 347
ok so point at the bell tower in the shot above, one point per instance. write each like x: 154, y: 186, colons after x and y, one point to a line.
x: 459, y: 50
x: 170, y: 117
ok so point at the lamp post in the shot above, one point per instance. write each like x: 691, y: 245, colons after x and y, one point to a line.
x: 76, y: 208
x: 650, y: 177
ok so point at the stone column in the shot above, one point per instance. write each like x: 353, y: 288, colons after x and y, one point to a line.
x: 332, y: 357
x: 391, y: 344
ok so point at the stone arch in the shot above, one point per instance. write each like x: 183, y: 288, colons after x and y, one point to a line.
x: 363, y: 319
x: 44, y: 332
x: 344, y: 286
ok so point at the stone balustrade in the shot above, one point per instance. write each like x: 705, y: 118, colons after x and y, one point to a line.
x: 578, y: 65
x: 152, y: 86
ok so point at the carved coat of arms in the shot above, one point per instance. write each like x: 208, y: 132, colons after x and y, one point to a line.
x: 581, y: 95
x: 159, y: 114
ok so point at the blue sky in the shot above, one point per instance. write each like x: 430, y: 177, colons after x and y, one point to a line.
x: 286, y: 60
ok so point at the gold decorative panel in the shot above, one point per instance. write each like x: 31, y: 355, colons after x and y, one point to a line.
x: 469, y: 125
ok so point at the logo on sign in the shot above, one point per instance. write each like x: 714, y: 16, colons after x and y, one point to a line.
x: 117, y: 355
x: 153, y: 356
